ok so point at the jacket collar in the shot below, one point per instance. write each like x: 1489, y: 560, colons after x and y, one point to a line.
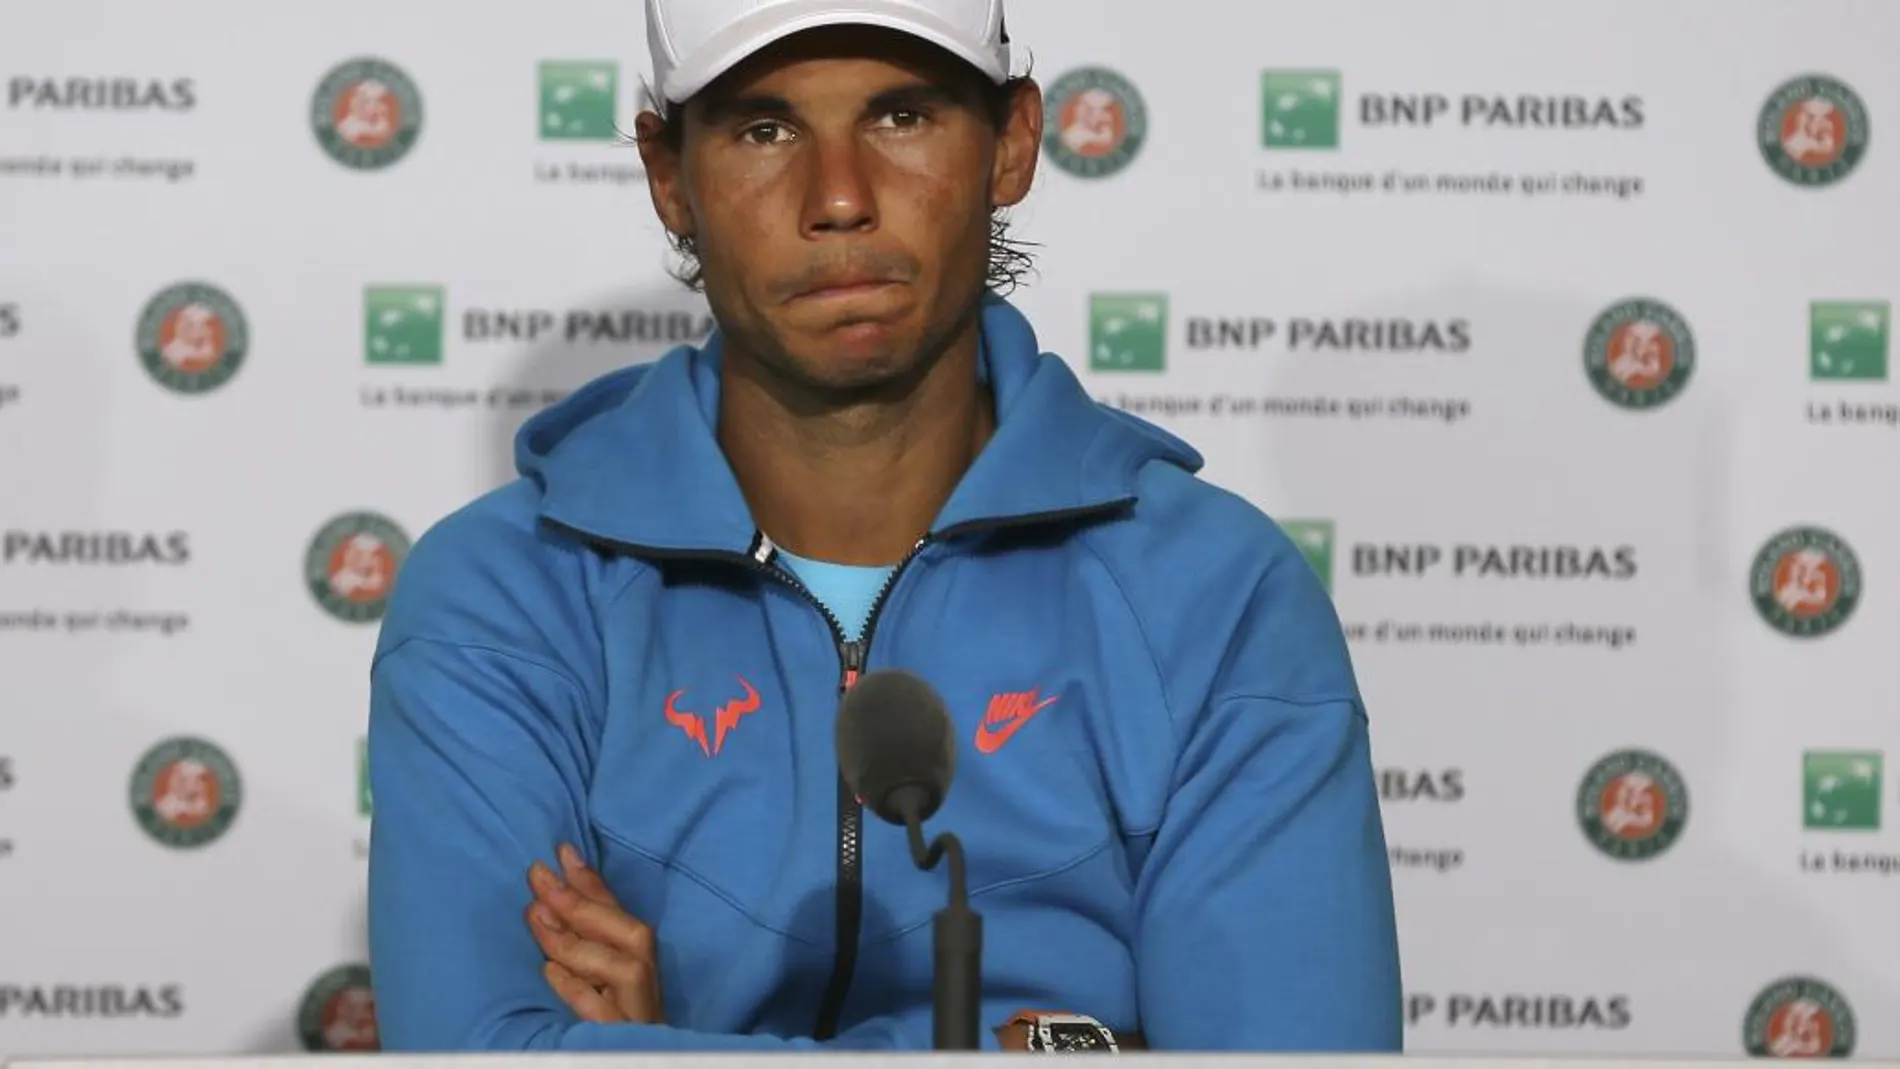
x: 632, y: 457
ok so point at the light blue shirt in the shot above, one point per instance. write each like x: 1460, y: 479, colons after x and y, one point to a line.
x: 848, y: 590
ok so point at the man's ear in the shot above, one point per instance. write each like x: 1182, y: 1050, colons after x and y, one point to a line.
x: 1018, y: 146
x: 665, y: 182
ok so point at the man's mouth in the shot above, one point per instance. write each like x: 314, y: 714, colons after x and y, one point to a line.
x: 845, y: 287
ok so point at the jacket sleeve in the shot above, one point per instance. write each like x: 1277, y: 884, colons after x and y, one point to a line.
x: 1266, y: 916
x: 478, y: 766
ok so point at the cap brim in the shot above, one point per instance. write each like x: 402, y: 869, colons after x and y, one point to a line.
x: 769, y: 25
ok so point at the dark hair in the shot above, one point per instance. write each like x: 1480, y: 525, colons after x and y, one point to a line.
x: 1009, y: 258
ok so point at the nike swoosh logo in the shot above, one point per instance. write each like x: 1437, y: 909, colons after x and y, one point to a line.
x: 989, y: 741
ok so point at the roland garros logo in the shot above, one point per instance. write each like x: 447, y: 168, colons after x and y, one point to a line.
x: 366, y: 114
x: 1639, y: 353
x: 185, y: 792
x: 1100, y: 123
x: 192, y: 338
x: 1813, y: 130
x: 1805, y: 582
x: 338, y: 1012
x: 350, y: 565
x: 1632, y: 805
x: 1799, y: 1017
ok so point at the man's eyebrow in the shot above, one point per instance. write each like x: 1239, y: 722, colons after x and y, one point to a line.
x: 717, y: 111
x: 723, y: 109
x: 920, y: 94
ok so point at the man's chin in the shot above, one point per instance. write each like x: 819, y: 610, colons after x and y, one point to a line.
x: 867, y: 344
x: 857, y: 364
x: 868, y: 375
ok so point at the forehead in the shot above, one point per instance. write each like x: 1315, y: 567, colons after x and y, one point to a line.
x: 839, y: 61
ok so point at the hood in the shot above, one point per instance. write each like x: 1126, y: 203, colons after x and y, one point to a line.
x: 632, y: 457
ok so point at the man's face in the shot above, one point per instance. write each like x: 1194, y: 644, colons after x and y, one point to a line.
x: 839, y: 189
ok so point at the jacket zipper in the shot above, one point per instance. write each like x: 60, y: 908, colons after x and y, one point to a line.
x: 848, y: 884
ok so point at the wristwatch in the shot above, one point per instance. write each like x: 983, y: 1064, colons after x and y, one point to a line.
x: 1056, y: 1033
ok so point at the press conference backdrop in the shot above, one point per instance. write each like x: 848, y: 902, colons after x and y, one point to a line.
x: 1558, y: 335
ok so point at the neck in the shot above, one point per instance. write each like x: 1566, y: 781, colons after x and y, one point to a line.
x: 859, y: 481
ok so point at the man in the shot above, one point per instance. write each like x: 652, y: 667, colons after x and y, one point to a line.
x: 609, y: 814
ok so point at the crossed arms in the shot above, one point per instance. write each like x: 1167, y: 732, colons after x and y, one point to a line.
x: 1264, y: 909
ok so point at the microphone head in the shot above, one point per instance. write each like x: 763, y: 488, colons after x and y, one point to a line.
x: 895, y: 744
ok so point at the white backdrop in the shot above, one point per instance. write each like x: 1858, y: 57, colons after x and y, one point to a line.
x: 1557, y: 331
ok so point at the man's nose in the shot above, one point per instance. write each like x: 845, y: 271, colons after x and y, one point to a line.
x: 840, y: 196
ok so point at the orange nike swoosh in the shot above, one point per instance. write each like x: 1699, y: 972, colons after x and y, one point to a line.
x: 988, y: 741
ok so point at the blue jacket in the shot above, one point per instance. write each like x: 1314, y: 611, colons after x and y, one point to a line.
x: 1184, y: 839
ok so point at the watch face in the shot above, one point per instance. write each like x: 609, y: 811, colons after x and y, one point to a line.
x: 1077, y: 1036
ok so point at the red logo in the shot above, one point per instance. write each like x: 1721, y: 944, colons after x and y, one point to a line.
x: 1008, y: 713
x: 725, y: 718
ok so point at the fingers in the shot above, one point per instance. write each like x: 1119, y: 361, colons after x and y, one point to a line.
x: 601, y: 959
x: 626, y: 985
x: 602, y: 922
x: 583, y: 998
x: 584, y: 879
x: 594, y: 961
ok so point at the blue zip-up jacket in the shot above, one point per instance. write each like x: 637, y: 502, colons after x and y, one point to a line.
x: 1179, y: 836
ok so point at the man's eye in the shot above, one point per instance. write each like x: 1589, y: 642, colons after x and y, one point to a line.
x: 902, y: 118
x: 764, y: 133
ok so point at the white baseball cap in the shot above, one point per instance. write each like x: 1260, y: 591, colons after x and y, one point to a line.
x: 696, y: 41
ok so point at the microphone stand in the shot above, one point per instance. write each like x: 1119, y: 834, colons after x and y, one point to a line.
x: 957, y: 933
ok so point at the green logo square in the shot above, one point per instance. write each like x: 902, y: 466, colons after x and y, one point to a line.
x: 402, y: 324
x: 1840, y: 790
x: 1128, y: 332
x: 1315, y: 541
x: 362, y: 777
x: 1847, y: 340
x: 1299, y: 109
x: 579, y: 99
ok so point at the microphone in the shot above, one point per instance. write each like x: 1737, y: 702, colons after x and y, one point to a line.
x: 895, y: 746
x: 897, y: 752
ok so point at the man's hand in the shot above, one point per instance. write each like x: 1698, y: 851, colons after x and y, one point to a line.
x: 602, y: 961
